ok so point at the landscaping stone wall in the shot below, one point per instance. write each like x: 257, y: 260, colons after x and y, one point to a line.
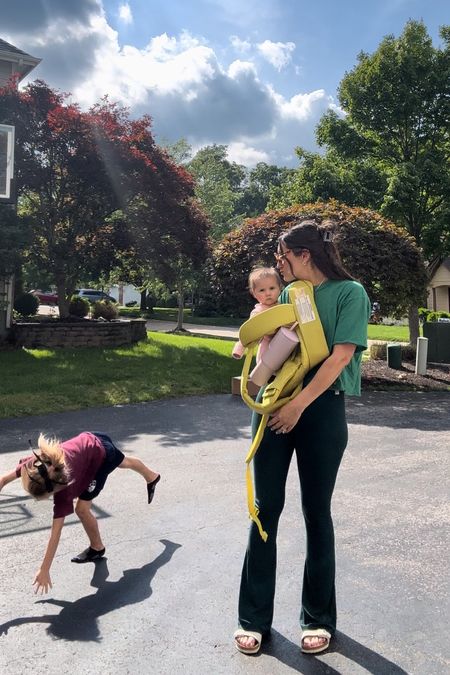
x: 78, y: 334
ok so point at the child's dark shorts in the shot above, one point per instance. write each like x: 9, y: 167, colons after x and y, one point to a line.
x: 113, y: 458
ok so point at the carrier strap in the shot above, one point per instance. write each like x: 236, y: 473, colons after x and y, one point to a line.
x: 288, y: 381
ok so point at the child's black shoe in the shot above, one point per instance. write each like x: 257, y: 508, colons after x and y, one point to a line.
x: 89, y: 555
x: 151, y: 488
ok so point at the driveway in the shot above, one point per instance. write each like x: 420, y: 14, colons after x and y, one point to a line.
x: 164, y: 600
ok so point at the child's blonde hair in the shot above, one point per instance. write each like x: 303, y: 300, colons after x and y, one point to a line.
x: 51, y: 455
x: 258, y: 273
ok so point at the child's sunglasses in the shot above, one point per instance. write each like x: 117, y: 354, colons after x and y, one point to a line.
x: 41, y: 466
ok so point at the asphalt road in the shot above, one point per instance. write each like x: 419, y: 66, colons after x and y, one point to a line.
x: 164, y: 599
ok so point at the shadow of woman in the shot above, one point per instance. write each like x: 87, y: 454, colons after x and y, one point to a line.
x: 77, y: 620
x: 282, y: 649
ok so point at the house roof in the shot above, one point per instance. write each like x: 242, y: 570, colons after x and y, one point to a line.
x: 7, y: 47
x: 435, y: 265
x: 23, y: 62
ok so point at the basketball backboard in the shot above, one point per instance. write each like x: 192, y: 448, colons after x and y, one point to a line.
x: 6, y: 163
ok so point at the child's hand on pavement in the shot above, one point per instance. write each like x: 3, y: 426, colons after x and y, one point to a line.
x: 42, y: 582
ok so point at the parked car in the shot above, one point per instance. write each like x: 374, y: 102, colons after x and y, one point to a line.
x: 92, y: 295
x: 45, y: 297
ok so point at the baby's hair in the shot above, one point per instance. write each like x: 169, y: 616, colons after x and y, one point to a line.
x: 52, y: 455
x: 258, y: 273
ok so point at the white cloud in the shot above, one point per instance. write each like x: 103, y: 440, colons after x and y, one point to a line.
x: 245, y: 154
x: 125, y: 13
x: 180, y: 81
x: 278, y: 54
x: 240, y: 45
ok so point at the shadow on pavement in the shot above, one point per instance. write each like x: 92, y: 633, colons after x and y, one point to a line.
x: 77, y: 621
x: 200, y: 419
x: 286, y: 651
x: 16, y: 518
x: 426, y: 411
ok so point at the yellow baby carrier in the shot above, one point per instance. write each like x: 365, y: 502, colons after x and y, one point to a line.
x: 301, y: 314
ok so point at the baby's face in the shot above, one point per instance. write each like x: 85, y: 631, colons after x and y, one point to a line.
x: 266, y: 290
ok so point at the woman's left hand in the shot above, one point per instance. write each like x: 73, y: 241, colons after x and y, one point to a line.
x: 284, y: 419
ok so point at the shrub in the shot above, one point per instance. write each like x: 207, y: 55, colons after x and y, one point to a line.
x: 79, y: 306
x: 172, y: 300
x: 105, y: 310
x: 378, y: 351
x: 150, y: 301
x: 434, y: 316
x: 424, y: 313
x: 381, y: 255
x: 26, y: 304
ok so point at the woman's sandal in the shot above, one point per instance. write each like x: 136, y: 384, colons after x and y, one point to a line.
x: 151, y: 488
x: 241, y: 633
x: 318, y: 633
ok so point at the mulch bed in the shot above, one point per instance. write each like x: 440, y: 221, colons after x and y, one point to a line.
x: 376, y: 374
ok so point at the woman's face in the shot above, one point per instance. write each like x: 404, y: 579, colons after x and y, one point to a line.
x: 292, y: 266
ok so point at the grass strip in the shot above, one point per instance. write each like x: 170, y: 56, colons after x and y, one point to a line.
x: 41, y: 381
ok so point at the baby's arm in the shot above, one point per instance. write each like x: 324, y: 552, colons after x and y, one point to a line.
x: 7, y: 478
x: 42, y: 579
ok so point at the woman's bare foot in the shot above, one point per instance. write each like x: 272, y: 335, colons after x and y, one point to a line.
x: 313, y: 642
x: 247, y: 642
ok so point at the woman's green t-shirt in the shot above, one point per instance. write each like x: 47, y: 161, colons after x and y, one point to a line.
x: 344, y: 311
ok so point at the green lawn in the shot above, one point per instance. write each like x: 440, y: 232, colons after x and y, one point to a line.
x: 388, y: 333
x: 42, y: 381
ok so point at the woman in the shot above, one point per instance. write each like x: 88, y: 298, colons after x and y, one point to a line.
x: 306, y: 252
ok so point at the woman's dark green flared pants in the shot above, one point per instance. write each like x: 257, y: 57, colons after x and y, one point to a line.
x: 319, y: 440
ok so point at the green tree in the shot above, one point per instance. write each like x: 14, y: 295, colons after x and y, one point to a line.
x: 218, y: 185
x: 381, y: 255
x: 75, y: 170
x: 321, y: 177
x: 260, y: 183
x: 180, y: 151
x: 397, y: 105
x: 175, y: 255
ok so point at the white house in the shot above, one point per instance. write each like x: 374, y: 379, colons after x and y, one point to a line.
x: 124, y: 293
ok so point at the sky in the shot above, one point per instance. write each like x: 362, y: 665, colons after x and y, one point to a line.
x: 255, y: 75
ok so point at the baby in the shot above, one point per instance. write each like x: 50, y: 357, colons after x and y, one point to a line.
x: 265, y: 285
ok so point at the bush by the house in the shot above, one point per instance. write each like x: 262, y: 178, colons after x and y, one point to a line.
x: 105, y: 310
x: 435, y: 316
x: 79, y: 306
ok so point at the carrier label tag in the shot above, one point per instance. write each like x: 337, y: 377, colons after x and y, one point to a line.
x: 304, y: 306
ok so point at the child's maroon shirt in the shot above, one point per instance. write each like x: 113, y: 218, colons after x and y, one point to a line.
x: 83, y: 455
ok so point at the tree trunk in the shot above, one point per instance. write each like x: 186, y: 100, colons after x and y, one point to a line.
x: 180, y: 294
x: 413, y: 321
x: 143, y: 300
x: 63, y: 301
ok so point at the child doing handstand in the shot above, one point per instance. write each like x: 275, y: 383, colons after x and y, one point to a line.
x: 265, y: 285
x: 68, y: 470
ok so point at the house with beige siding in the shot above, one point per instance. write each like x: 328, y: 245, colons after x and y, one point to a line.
x: 439, y: 285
